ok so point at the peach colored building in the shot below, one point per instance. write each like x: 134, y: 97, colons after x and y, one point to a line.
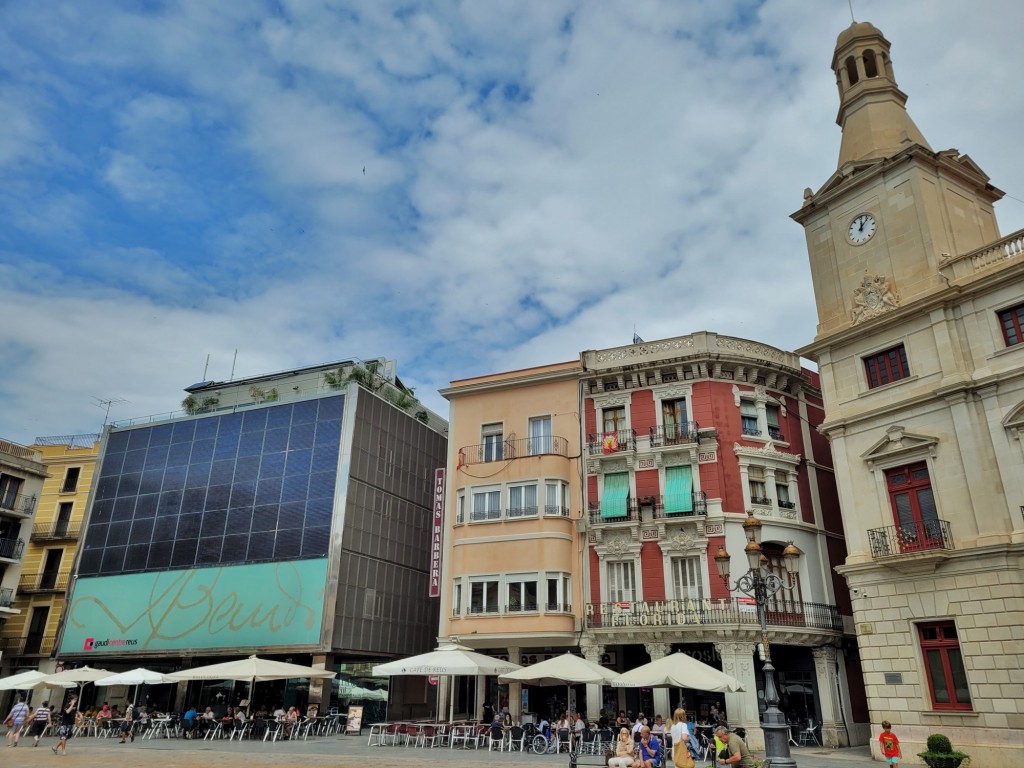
x: 512, y: 582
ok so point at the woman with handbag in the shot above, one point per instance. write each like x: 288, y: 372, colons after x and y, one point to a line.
x: 624, y: 748
x: 681, y: 756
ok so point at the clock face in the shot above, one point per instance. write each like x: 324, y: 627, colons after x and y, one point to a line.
x: 862, y: 228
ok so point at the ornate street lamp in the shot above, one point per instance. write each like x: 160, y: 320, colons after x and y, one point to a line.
x: 759, y: 583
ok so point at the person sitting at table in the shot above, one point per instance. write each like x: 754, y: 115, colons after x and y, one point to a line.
x: 623, y: 750
x: 90, y: 712
x: 312, y: 711
x: 103, y: 716
x: 621, y: 721
x: 115, y: 714
x: 579, y: 725
x: 506, y: 721
x: 291, y: 719
x: 544, y: 727
x: 602, y: 720
x: 641, y: 721
x: 658, y: 729
x: 650, y: 754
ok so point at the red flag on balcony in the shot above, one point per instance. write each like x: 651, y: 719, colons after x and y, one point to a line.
x: 610, y: 442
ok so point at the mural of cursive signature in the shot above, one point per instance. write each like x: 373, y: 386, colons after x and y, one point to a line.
x: 254, y: 601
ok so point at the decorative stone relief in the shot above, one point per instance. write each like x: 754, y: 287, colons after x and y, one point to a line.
x: 760, y: 351
x: 640, y: 350
x: 612, y: 400
x: 767, y: 451
x: 679, y: 542
x: 714, y: 529
x: 873, y: 297
x: 789, y: 514
x: 620, y: 545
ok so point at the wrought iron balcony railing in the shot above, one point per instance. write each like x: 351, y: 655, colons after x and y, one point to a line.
x: 775, y: 434
x: 787, y: 504
x: 18, y: 503
x: 672, y: 507
x: 43, y: 582
x: 707, y: 612
x: 33, y: 645
x: 918, y: 536
x: 682, y: 433
x: 631, y: 513
x: 752, y: 431
x: 12, y: 549
x: 55, y: 531
x: 546, y: 445
x: 616, y: 441
x: 763, y: 501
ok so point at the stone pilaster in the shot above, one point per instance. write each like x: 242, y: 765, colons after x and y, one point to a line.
x: 515, y: 690
x: 661, y: 695
x: 592, y: 651
x: 316, y: 685
x: 833, y: 728
x: 741, y: 707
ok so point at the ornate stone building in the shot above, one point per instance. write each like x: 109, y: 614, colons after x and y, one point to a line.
x: 921, y: 310
x: 683, y: 437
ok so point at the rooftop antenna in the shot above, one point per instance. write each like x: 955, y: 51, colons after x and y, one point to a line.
x: 233, y: 361
x: 206, y: 367
x: 851, y: 11
x: 105, y: 404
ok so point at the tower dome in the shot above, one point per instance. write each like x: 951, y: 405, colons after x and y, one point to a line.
x: 872, y: 108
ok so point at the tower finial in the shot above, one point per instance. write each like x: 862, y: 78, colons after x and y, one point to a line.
x: 852, y: 19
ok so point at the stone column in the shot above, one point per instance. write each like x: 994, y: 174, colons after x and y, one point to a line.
x: 476, y: 707
x: 316, y: 686
x: 661, y: 695
x: 515, y: 690
x: 593, y: 651
x: 833, y: 729
x: 741, y: 707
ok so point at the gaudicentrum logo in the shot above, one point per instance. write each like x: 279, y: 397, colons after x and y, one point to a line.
x: 91, y: 643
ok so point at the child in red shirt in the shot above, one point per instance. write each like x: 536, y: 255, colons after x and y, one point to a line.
x: 890, y: 744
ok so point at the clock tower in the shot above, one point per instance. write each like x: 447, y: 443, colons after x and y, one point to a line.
x: 920, y: 350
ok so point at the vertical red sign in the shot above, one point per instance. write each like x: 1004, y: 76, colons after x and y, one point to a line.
x: 436, y: 533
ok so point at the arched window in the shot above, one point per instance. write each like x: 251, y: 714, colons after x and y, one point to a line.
x: 851, y: 70
x: 870, y: 68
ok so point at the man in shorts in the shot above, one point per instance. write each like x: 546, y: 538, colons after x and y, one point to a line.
x: 40, y: 722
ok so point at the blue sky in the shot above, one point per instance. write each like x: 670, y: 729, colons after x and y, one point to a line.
x: 180, y: 179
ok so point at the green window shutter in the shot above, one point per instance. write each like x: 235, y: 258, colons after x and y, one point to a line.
x: 679, y: 489
x: 616, y: 493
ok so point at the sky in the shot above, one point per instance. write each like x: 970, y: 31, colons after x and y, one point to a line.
x: 463, y: 187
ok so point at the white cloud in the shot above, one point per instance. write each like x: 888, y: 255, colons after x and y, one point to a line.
x: 540, y: 177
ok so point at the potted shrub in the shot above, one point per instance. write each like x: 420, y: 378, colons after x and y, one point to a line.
x: 941, y: 754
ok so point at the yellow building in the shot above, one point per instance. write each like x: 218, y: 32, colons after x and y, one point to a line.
x: 513, y: 553
x: 28, y: 638
x: 920, y: 313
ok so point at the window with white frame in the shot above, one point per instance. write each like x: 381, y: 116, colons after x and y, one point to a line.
x: 457, y: 598
x: 748, y: 417
x: 483, y: 594
x: 492, y: 442
x: 774, y: 430
x: 460, y: 506
x: 486, y: 504
x: 521, y: 590
x: 556, y: 498
x: 782, y: 490
x: 758, y: 490
x: 558, y: 595
x: 621, y: 582
x: 540, y: 435
x: 522, y: 500
x: 687, y: 579
x: 674, y: 420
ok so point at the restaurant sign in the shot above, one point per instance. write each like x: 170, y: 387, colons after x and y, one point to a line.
x: 436, y: 534
x: 656, y: 613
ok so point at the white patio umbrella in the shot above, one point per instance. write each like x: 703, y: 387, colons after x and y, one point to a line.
x: 30, y: 680
x: 567, y: 669
x: 82, y: 675
x: 252, y: 670
x: 447, y: 659
x: 679, y: 670
x: 136, y: 677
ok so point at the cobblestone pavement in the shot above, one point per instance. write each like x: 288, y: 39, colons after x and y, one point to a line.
x: 334, y: 751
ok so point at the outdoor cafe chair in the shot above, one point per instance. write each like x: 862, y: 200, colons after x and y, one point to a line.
x: 273, y: 730
x: 563, y: 740
x: 516, y: 739
x: 377, y: 732
x: 496, y: 738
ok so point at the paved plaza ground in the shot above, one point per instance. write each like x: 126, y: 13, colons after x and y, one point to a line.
x: 334, y: 751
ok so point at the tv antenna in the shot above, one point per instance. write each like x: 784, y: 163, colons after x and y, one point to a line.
x: 105, y: 404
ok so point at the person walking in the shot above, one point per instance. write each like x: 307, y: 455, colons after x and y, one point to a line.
x: 128, y: 724
x: 40, y: 722
x: 15, y: 720
x: 890, y: 744
x: 67, y: 726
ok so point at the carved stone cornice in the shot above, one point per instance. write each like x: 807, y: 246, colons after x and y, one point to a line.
x: 612, y: 399
x: 767, y: 451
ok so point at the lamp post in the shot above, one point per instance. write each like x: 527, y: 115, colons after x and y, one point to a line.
x: 759, y: 583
